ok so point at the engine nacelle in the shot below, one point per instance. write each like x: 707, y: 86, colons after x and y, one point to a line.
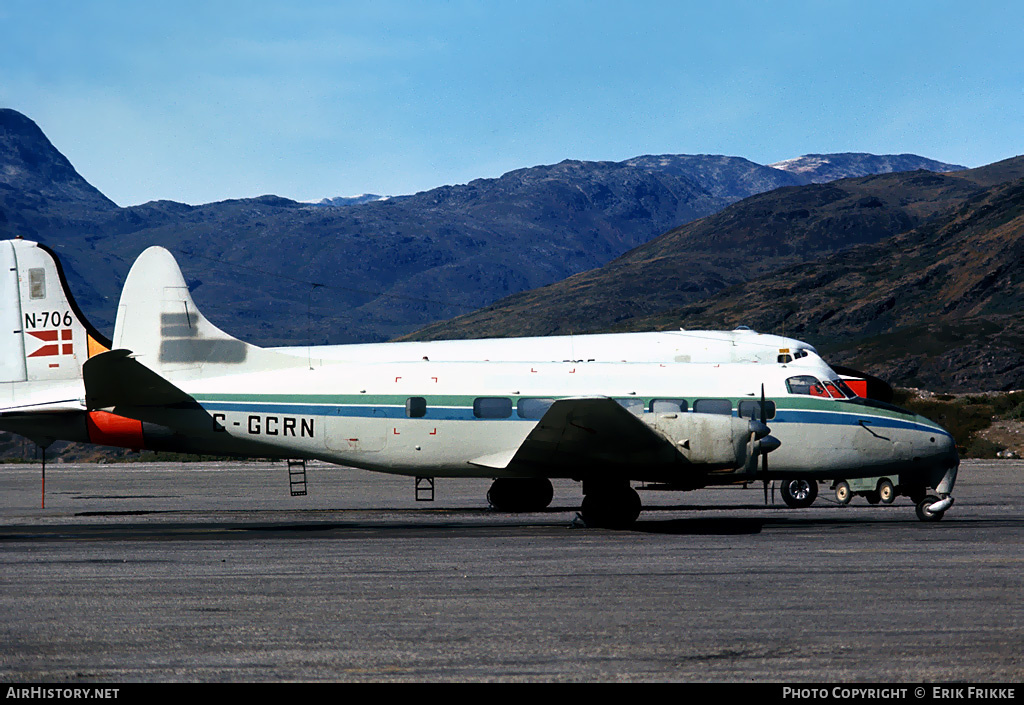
x: 717, y: 442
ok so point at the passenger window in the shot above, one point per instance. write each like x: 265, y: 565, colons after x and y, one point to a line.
x: 632, y: 404
x: 533, y: 408
x: 713, y: 406
x: 415, y: 407
x: 492, y: 407
x: 752, y: 409
x: 668, y: 406
x: 805, y: 384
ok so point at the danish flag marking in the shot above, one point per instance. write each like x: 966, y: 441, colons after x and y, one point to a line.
x: 56, y: 342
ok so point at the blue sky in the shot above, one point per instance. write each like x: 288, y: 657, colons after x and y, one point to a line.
x: 202, y: 101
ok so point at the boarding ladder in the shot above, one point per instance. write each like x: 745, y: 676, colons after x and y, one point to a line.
x: 424, y: 489
x: 297, y: 477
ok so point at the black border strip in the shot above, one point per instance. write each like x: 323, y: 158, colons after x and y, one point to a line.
x: 89, y: 327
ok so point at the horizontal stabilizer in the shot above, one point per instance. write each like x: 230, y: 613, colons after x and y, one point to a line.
x: 48, y: 407
x: 115, y: 378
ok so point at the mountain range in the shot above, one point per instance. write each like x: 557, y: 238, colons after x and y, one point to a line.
x: 914, y: 277
x: 275, y: 271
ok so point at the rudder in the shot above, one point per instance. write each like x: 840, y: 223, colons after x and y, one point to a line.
x: 45, y: 336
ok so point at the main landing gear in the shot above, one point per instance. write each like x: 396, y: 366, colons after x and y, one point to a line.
x: 606, y: 504
x: 799, y: 494
x: 610, y: 505
x: 520, y: 494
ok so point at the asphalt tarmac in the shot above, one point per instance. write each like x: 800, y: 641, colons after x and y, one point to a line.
x: 214, y: 573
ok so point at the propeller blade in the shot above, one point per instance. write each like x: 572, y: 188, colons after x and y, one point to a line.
x: 764, y: 454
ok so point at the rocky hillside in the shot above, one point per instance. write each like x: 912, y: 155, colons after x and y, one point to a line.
x: 936, y: 307
x: 274, y: 271
x: 746, y: 240
x: 930, y: 297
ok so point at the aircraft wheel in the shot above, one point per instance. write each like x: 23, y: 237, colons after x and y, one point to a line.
x: 922, y: 509
x: 843, y: 493
x: 514, y: 494
x: 799, y: 493
x: 611, y: 508
x: 886, y: 492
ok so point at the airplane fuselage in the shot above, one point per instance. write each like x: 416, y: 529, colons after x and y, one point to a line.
x: 438, y: 419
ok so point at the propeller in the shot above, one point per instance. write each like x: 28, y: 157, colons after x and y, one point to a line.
x: 764, y: 454
x: 766, y: 443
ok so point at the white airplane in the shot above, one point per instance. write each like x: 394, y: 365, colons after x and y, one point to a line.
x: 174, y: 380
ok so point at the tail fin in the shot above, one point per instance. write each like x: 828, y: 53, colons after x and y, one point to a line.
x: 44, y: 336
x: 160, y: 324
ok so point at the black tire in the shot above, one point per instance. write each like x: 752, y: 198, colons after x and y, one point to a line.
x: 611, y: 509
x: 800, y: 493
x: 922, y: 509
x: 886, y: 492
x: 513, y: 494
x: 843, y: 492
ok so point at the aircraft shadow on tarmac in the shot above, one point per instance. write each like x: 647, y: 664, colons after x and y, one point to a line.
x: 700, y: 527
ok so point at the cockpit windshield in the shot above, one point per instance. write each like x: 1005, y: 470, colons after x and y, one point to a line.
x: 812, y: 386
x: 845, y: 388
x: 805, y: 384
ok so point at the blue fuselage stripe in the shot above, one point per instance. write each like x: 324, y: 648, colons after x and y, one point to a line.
x: 454, y: 413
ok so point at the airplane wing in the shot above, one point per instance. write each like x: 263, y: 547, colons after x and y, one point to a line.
x: 587, y: 433
x: 115, y: 378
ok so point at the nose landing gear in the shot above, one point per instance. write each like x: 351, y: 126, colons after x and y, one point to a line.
x: 932, y: 508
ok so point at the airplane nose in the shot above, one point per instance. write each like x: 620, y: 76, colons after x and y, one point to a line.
x: 947, y: 448
x: 942, y: 448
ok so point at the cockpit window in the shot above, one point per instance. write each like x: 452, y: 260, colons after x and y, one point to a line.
x: 806, y: 384
x: 833, y: 391
x: 845, y: 388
